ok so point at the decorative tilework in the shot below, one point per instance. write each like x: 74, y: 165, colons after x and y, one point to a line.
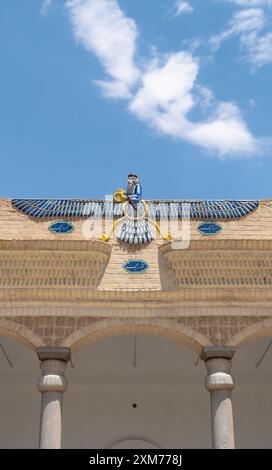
x: 135, y: 266
x: 61, y: 227
x: 209, y: 228
x: 68, y: 208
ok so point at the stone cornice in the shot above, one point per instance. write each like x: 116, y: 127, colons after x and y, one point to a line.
x: 56, y: 245
x: 219, y: 244
x: 125, y: 311
x: 190, y: 296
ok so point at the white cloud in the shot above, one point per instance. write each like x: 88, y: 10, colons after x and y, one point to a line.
x: 166, y: 91
x: 205, y: 98
x: 243, y: 22
x: 249, y: 25
x: 250, y: 19
x: 45, y: 6
x: 182, y: 6
x: 114, y: 89
x: 249, y: 3
x: 225, y: 132
x: 167, y: 96
x: 102, y: 28
x: 259, y: 48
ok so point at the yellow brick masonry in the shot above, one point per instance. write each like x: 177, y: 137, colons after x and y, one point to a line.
x: 65, y: 290
x: 157, y: 277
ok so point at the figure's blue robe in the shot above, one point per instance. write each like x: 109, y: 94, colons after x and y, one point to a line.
x: 137, y: 194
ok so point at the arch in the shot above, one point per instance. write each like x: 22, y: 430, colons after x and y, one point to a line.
x: 133, y: 443
x: 253, y: 332
x: 18, y: 332
x: 169, y: 329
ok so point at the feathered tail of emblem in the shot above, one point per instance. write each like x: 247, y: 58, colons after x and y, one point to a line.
x: 135, y: 228
x: 135, y: 232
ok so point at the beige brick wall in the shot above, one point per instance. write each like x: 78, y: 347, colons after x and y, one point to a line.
x: 66, y: 290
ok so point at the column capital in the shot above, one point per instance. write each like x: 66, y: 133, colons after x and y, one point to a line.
x: 219, y: 374
x: 53, y: 364
x: 52, y: 378
x: 214, y: 352
x: 218, y: 362
x: 46, y: 353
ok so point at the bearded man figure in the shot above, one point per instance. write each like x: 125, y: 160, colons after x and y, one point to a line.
x: 134, y: 191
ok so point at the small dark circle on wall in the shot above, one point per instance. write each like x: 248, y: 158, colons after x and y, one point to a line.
x: 134, y: 405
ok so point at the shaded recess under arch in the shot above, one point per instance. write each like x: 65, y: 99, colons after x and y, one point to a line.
x: 253, y: 332
x: 16, y: 331
x: 115, y: 327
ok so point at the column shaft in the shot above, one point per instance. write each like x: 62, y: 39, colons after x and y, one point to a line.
x: 51, y: 418
x: 222, y: 420
x: 219, y: 383
x: 52, y: 385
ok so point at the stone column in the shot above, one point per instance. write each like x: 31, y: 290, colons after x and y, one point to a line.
x: 52, y: 384
x: 219, y: 383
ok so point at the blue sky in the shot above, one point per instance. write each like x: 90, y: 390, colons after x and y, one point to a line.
x: 177, y: 91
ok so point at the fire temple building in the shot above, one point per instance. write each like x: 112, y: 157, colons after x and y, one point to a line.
x: 144, y: 325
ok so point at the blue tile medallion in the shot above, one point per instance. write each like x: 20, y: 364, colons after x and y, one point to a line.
x: 61, y: 227
x: 209, y: 228
x: 135, y: 266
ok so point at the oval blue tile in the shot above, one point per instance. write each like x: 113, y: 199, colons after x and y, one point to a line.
x: 135, y: 266
x: 61, y: 227
x: 209, y: 228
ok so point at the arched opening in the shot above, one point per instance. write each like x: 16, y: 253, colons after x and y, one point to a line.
x: 19, y: 332
x: 19, y: 398
x: 139, y: 387
x: 252, y: 371
x: 164, y: 328
x: 134, y: 444
x: 254, y: 332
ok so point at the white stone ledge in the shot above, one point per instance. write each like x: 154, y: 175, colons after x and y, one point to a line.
x: 121, y: 311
